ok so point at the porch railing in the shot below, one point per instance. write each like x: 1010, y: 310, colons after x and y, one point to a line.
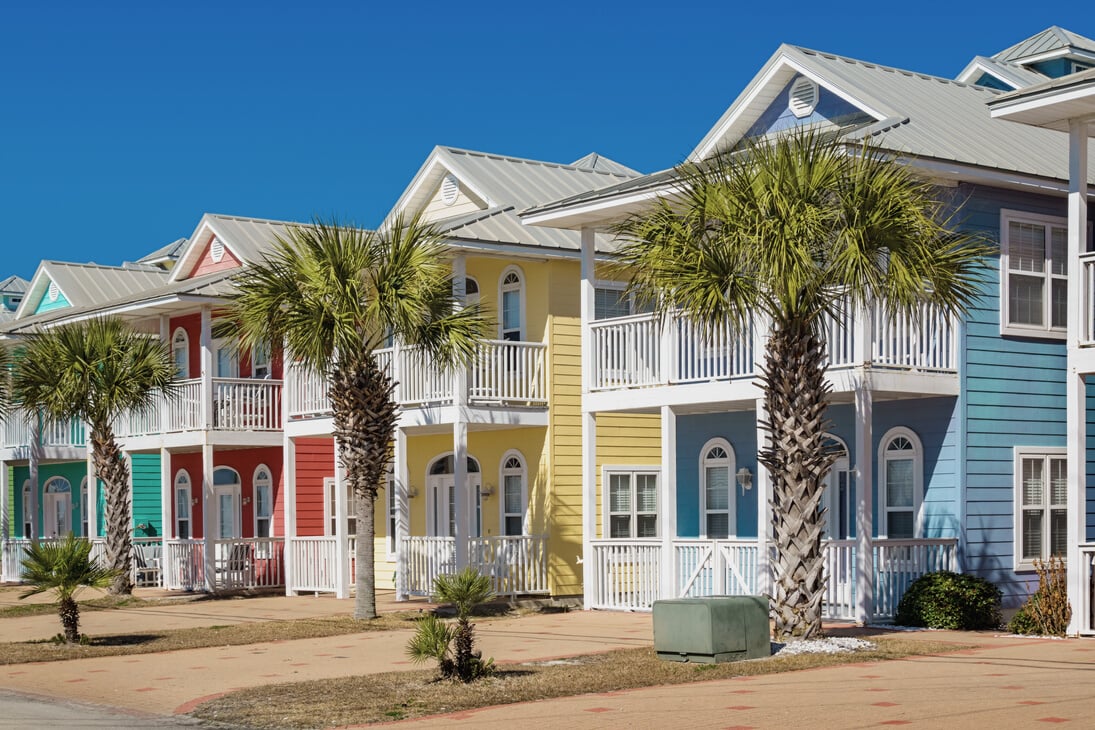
x: 315, y: 563
x: 645, y: 350
x: 421, y: 560
x: 1087, y: 332
x: 145, y: 563
x: 239, y: 404
x: 627, y: 572
x: 516, y: 565
x: 18, y: 431
x: 241, y: 563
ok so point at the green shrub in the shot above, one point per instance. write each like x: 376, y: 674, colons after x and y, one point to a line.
x: 1047, y: 612
x: 453, y: 647
x: 947, y: 600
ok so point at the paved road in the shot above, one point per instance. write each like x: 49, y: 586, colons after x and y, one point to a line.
x: 24, y: 711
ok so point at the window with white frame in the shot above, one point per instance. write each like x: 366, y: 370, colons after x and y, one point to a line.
x: 632, y: 503
x: 28, y: 512
x: 351, y: 508
x: 1041, y: 505
x: 260, y: 361
x: 901, y: 464
x: 264, y: 502
x: 182, y: 505
x: 512, y: 296
x: 83, y: 507
x: 1033, y: 274
x: 180, y: 352
x: 611, y: 299
x: 226, y: 360
x: 514, y: 491
x: 716, y: 493
x: 471, y: 291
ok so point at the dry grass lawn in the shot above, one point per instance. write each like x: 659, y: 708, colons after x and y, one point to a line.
x: 403, y: 695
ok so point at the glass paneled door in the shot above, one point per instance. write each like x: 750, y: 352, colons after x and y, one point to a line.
x: 57, y: 508
x: 441, y: 486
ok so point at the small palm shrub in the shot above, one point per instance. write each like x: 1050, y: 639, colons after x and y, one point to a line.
x: 64, y: 567
x: 454, y: 647
x: 1047, y: 611
x: 946, y: 600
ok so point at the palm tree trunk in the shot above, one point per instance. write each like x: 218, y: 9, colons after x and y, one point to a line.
x: 797, y: 459
x: 112, y: 469
x: 365, y: 416
x: 69, y: 612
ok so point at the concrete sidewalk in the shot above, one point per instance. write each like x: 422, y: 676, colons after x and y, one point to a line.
x: 1004, y: 682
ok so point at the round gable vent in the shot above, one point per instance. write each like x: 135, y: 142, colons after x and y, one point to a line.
x: 450, y: 188
x: 803, y: 98
x: 216, y: 250
x: 53, y: 292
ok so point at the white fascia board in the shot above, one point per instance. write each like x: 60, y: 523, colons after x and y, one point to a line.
x: 33, y: 293
x: 1049, y: 98
x: 601, y: 208
x: 782, y: 63
x: 1047, y: 56
x: 192, y: 251
x: 978, y: 68
x: 509, y: 249
x: 995, y: 178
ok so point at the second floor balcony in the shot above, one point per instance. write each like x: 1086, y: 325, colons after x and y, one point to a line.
x: 502, y: 373
x: 235, y: 405
x: 22, y: 430
x: 648, y: 352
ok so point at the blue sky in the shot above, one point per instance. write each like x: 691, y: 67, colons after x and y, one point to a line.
x: 123, y: 122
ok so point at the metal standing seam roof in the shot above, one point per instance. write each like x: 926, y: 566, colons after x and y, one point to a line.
x: 14, y: 285
x: 503, y: 226
x: 171, y: 251
x: 90, y: 284
x: 1014, y: 74
x: 249, y: 239
x: 1051, y: 39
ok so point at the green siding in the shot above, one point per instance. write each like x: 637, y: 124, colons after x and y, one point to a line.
x: 146, y: 494
x: 45, y: 305
x: 9, y: 484
x: 73, y: 471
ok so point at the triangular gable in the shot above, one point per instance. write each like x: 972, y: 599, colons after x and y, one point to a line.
x: 37, y: 298
x: 440, y: 189
x: 198, y: 257
x: 763, y: 107
x: 51, y: 298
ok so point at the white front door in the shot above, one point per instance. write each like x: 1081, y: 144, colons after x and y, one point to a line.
x: 57, y: 513
x: 442, y: 507
x: 838, y: 500
x: 228, y: 512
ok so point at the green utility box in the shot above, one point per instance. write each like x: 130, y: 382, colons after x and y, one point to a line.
x: 713, y: 629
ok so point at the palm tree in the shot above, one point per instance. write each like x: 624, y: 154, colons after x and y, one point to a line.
x: 64, y: 567
x: 434, y: 638
x: 334, y: 295
x: 796, y: 230
x: 96, y: 371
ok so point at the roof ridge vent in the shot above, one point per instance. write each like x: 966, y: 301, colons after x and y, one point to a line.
x: 803, y: 97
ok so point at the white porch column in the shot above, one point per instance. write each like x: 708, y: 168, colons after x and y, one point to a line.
x: 206, y: 341
x: 209, y: 516
x: 587, y: 289
x: 167, y: 507
x: 402, y: 510
x: 92, y: 498
x: 1075, y: 390
x: 32, y: 467
x: 342, y: 542
x: 764, y: 507
x: 462, y: 496
x: 668, y: 512
x: 864, y: 495
x: 289, y: 510
x: 5, y: 516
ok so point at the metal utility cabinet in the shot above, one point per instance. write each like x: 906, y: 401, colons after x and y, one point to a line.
x: 712, y: 629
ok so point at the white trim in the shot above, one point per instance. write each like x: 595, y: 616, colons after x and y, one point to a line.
x: 391, y: 514
x: 503, y: 472
x: 830, y: 497
x: 1046, y: 330
x: 918, y: 480
x: 475, y: 485
x: 521, y: 290
x: 176, y: 487
x: 225, y: 344
x: 632, y: 470
x: 731, y: 486
x: 186, y: 342
x: 255, y: 484
x: 329, y: 508
x: 1018, y: 454
x: 85, y: 495
x: 27, y: 510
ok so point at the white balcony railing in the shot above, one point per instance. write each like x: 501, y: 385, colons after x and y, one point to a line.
x: 645, y: 350
x: 238, y: 404
x: 145, y: 564
x: 626, y: 573
x: 238, y: 563
x: 1087, y: 589
x: 19, y: 431
x: 516, y: 565
x: 500, y: 373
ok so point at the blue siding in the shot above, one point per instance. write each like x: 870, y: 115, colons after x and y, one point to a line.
x: 1015, y: 396
x: 830, y: 108
x: 45, y: 305
x: 145, y: 469
x: 740, y: 429
x: 1054, y: 68
x: 993, y: 83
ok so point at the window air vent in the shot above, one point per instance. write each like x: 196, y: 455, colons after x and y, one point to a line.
x: 450, y: 188
x: 216, y: 250
x: 803, y: 97
x: 53, y: 292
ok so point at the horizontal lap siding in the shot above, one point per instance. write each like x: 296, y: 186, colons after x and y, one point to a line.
x: 564, y: 447
x: 315, y: 461
x: 147, y: 494
x: 739, y: 428
x: 1015, y: 396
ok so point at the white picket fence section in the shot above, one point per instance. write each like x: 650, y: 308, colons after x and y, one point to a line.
x: 315, y: 563
x: 516, y: 565
x: 145, y: 563
x: 627, y: 572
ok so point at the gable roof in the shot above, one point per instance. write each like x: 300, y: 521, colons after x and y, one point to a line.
x: 13, y: 285
x: 88, y: 284
x: 1013, y: 74
x: 170, y: 252
x: 247, y: 238
x: 1051, y: 104
x: 1051, y: 42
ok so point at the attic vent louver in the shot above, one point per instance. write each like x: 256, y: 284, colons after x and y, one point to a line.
x: 216, y: 250
x: 53, y: 292
x: 803, y: 97
x: 450, y: 188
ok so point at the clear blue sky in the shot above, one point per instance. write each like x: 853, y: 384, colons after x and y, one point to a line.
x: 123, y: 122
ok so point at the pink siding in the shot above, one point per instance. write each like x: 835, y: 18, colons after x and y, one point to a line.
x: 206, y: 264
x: 244, y: 461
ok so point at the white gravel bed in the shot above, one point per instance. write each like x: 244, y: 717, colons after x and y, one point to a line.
x: 832, y: 645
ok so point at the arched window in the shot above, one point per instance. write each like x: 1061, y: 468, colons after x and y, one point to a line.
x: 901, y: 464
x: 513, y: 483
x: 180, y: 352
x: 837, y: 497
x: 471, y: 291
x: 182, y: 505
x: 28, y: 512
x: 512, y: 299
x: 441, y: 498
x: 717, y: 493
x: 263, y: 502
x: 56, y: 507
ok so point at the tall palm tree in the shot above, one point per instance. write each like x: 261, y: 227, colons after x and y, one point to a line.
x: 96, y: 371
x: 796, y: 230
x: 64, y: 567
x: 336, y: 294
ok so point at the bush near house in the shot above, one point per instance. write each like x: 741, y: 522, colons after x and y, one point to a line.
x: 1047, y: 611
x: 946, y: 600
x: 454, y: 647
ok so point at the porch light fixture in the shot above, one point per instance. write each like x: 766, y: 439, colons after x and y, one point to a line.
x: 247, y: 500
x: 412, y: 492
x: 487, y: 491
x: 194, y: 502
x: 745, y: 479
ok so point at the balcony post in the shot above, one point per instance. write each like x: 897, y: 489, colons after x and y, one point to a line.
x: 35, y: 449
x: 402, y: 511
x: 462, y: 494
x: 167, y: 507
x: 5, y: 507
x: 289, y: 512
x: 1075, y: 385
x: 206, y: 368
x: 209, y: 517
x: 864, y: 526
x: 162, y: 405
x: 342, y: 542
x: 764, y: 507
x: 587, y: 304
x: 589, y: 509
x: 92, y: 498
x: 668, y: 516
x: 667, y: 363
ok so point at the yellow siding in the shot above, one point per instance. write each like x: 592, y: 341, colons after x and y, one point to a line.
x: 537, y: 281
x: 436, y: 209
